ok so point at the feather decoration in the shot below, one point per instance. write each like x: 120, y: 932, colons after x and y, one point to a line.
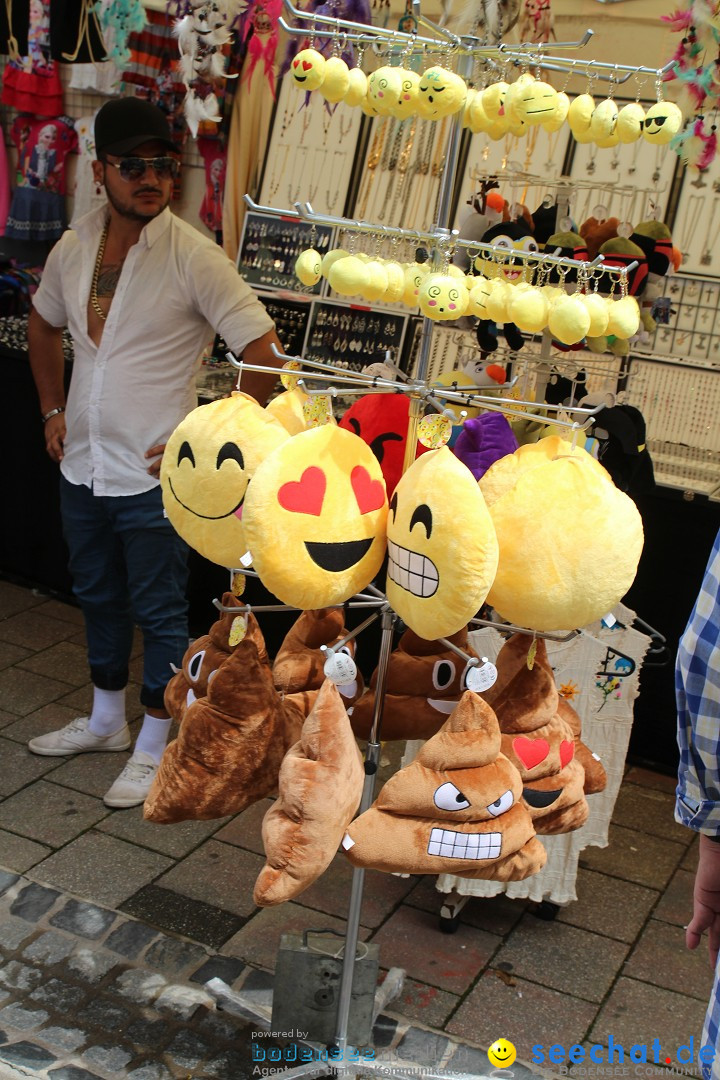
x: 679, y: 20
x: 695, y: 147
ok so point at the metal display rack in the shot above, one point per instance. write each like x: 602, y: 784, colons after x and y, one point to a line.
x: 440, y: 242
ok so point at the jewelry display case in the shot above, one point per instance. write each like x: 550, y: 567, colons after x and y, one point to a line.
x: 697, y: 222
x: 269, y: 247
x: 692, y: 330
x: 352, y: 337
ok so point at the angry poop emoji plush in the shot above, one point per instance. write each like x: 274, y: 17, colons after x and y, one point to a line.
x: 456, y: 808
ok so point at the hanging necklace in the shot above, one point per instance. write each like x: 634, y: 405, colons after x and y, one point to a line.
x: 712, y: 237
x: 95, y: 303
x: 690, y: 224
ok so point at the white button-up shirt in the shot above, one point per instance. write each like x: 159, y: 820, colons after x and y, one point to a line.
x: 176, y: 289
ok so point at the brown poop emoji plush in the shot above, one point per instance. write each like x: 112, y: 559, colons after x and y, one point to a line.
x: 320, y: 786
x: 457, y: 808
x: 424, y: 682
x: 539, y: 742
x: 228, y: 751
x: 298, y: 666
x: 595, y: 775
x: 205, y: 656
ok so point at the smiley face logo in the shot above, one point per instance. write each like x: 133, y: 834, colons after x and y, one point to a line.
x: 501, y: 1054
x: 208, y: 462
x: 315, y: 518
x: 442, y: 547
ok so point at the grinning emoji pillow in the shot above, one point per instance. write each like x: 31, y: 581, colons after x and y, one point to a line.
x: 456, y: 808
x: 205, y: 655
x: 319, y: 791
x: 570, y: 541
x: 425, y: 680
x: 442, y: 547
x: 315, y: 518
x: 208, y: 461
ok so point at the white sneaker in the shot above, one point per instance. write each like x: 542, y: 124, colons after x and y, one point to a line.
x: 76, y: 738
x: 133, y: 783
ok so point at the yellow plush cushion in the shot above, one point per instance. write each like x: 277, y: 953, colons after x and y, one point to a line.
x: 315, y: 518
x: 457, y: 808
x: 206, y: 467
x: 569, y: 540
x: 319, y: 790
x: 441, y: 545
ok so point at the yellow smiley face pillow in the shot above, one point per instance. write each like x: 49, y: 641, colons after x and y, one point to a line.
x: 442, y: 547
x: 315, y: 518
x: 570, y: 541
x: 208, y: 461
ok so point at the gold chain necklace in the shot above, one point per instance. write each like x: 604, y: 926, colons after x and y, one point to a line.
x: 96, y: 274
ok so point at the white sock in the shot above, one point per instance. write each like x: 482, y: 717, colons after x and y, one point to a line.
x: 108, y: 711
x: 153, y: 736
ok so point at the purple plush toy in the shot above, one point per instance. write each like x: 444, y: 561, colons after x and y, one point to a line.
x: 483, y: 440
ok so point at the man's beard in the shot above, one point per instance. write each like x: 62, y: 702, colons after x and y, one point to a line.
x: 126, y: 211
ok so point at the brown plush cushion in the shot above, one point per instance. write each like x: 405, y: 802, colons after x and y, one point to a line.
x: 299, y: 663
x: 458, y: 787
x: 595, y: 775
x: 424, y: 682
x: 320, y: 786
x: 230, y: 745
x: 536, y: 738
x: 205, y: 656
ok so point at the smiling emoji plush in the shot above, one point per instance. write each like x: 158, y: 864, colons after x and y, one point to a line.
x: 440, y: 93
x: 315, y: 518
x: 425, y: 680
x: 208, y: 461
x: 442, y: 547
x: 456, y: 808
x: 307, y: 70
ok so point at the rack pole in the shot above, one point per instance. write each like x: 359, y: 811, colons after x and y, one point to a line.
x: 372, y: 757
x: 440, y: 227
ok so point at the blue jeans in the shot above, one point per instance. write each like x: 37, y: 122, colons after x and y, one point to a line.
x: 128, y: 565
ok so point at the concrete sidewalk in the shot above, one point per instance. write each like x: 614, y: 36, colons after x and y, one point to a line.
x: 178, y: 901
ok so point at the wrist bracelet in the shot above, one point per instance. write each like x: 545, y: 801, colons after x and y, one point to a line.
x: 53, y: 412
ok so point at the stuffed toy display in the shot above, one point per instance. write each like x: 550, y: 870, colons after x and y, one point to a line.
x: 569, y: 541
x: 298, y: 666
x: 442, y: 549
x: 483, y: 441
x: 457, y: 808
x: 315, y: 518
x: 381, y: 420
x: 208, y: 461
x: 319, y: 791
x: 505, y: 235
x: 538, y: 739
x: 229, y: 747
x: 425, y: 680
x: 205, y: 655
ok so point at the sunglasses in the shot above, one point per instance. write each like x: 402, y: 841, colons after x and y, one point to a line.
x: 134, y: 168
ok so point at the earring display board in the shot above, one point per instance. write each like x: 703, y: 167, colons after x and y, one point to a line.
x: 311, y: 151
x: 270, y: 246
x: 697, y: 222
x: 538, y: 153
x: 619, y: 173
x: 680, y: 404
x: 353, y: 337
x: 401, y: 172
x: 692, y: 331
x: 291, y: 320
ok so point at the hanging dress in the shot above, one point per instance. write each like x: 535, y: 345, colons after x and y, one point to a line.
x: 32, y: 83
x: 88, y: 195
x: 38, y: 205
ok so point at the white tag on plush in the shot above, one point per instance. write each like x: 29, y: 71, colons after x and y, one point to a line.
x: 347, y: 842
x: 481, y: 678
x: 340, y: 668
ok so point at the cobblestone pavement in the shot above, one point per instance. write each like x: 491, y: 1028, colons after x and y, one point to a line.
x: 110, y: 926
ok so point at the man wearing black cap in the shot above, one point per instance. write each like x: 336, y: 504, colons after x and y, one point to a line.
x: 142, y: 292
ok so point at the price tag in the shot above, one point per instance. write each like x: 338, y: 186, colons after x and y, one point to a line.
x: 317, y: 410
x: 434, y: 430
x: 238, y: 630
x: 237, y: 584
x: 481, y: 678
x: 290, y: 381
x: 341, y: 668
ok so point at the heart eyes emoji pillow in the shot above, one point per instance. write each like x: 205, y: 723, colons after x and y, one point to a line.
x: 315, y: 518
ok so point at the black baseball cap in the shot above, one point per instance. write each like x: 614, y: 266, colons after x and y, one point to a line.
x: 125, y: 123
